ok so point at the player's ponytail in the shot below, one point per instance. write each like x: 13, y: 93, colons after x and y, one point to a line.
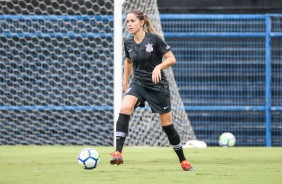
x: 148, y: 25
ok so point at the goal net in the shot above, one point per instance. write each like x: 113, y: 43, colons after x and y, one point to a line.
x: 56, y: 82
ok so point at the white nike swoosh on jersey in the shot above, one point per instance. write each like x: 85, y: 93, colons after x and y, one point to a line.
x: 130, y: 50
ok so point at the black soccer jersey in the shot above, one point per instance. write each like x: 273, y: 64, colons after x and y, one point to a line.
x: 145, y: 57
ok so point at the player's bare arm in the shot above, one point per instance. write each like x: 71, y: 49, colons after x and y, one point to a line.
x: 169, y: 61
x: 126, y: 73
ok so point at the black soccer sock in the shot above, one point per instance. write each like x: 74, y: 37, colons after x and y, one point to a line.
x: 174, y: 140
x: 121, y: 130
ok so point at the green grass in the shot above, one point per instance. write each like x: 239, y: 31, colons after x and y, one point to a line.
x: 152, y: 165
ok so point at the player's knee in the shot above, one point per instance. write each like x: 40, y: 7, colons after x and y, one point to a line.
x: 166, y: 123
x: 166, y: 119
x: 126, y: 109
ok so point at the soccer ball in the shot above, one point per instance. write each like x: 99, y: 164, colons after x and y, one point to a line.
x: 227, y: 139
x: 88, y: 158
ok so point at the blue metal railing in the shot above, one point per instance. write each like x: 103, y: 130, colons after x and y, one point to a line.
x: 203, y: 27
x: 243, y: 30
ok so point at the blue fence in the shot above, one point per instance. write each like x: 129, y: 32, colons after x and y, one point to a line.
x: 229, y: 74
x: 56, y: 78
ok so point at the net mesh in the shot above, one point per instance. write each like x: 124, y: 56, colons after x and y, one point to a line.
x: 56, y: 82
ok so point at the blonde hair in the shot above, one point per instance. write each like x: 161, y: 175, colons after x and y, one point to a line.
x: 148, y: 25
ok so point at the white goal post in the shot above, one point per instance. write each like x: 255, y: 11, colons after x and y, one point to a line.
x: 117, y: 60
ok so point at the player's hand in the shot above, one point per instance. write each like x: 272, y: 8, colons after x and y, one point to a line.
x: 156, y: 75
x: 125, y: 86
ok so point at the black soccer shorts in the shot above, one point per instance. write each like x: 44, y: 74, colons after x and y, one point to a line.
x: 157, y: 97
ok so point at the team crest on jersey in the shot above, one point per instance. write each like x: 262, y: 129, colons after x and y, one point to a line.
x: 149, y: 47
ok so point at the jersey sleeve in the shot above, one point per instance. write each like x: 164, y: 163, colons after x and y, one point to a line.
x: 162, y: 46
x: 126, y: 51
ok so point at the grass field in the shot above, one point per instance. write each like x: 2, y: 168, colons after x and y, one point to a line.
x: 152, y: 165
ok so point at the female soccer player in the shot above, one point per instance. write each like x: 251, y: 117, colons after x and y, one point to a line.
x: 144, y: 52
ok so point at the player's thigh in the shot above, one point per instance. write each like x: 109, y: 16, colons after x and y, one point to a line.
x: 128, y: 104
x: 166, y: 119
